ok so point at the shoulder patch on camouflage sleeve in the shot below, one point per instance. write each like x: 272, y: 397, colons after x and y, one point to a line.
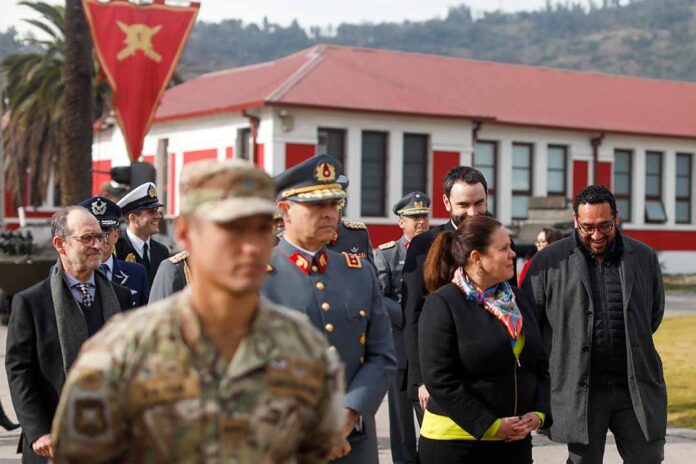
x: 179, y: 257
x: 352, y: 261
x: 354, y: 225
x: 388, y: 245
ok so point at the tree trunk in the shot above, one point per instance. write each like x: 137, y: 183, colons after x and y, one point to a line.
x: 75, y: 163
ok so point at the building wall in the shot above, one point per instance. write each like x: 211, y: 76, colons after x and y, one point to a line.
x: 289, y: 136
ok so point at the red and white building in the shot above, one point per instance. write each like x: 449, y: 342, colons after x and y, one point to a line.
x: 399, y: 121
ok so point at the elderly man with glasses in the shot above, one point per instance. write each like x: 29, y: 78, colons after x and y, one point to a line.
x: 600, y: 298
x: 50, y: 321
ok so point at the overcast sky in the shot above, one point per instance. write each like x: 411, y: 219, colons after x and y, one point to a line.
x: 312, y: 12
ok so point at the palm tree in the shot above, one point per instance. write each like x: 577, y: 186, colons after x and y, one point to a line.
x: 36, y: 98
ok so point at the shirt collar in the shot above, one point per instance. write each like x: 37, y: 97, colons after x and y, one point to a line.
x: 72, y: 281
x: 137, y: 242
x: 306, y: 252
x: 110, y: 263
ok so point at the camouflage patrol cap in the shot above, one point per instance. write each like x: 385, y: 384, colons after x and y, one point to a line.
x: 222, y: 191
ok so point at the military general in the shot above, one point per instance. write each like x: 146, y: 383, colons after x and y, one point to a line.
x: 214, y: 374
x: 413, y: 211
x: 339, y: 293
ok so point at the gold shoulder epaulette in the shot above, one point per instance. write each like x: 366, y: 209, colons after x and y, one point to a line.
x: 352, y: 261
x: 179, y: 257
x: 355, y: 225
x: 388, y: 245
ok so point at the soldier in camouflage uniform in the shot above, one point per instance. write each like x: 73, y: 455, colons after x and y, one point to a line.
x: 339, y: 293
x: 413, y: 210
x: 214, y: 374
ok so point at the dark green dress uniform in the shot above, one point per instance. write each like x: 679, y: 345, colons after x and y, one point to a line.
x: 352, y: 237
x: 340, y: 294
x: 173, y: 275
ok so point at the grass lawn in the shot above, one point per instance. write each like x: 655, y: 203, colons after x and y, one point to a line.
x: 676, y: 343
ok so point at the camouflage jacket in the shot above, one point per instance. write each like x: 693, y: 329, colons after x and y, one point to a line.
x: 151, y: 387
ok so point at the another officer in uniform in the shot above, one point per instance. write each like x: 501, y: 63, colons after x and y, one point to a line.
x: 214, y: 373
x: 131, y: 275
x: 413, y: 210
x: 141, y: 210
x: 351, y: 236
x: 339, y: 293
x: 173, y: 275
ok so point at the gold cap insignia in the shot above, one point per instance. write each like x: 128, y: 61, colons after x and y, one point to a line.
x: 325, y: 172
x: 417, y: 204
x: 152, y: 192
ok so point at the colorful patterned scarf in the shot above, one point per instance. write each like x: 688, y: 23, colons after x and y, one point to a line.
x: 498, y: 300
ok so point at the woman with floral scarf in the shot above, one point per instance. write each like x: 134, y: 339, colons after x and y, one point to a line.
x: 481, y: 352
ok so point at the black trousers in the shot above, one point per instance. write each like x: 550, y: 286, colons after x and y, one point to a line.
x: 402, y: 432
x: 610, y: 408
x: 474, y: 452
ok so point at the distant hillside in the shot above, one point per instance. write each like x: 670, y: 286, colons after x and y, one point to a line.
x: 651, y: 38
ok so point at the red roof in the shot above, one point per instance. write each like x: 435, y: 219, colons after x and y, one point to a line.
x: 359, y: 79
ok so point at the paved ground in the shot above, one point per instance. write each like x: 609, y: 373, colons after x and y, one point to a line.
x: 681, y: 443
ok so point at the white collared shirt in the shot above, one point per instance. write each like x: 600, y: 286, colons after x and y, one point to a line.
x: 310, y: 253
x: 72, y: 282
x: 138, y: 244
x: 110, y: 264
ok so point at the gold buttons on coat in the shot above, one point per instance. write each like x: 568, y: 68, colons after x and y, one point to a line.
x: 362, y: 313
x: 329, y: 328
x: 362, y: 339
x: 320, y: 286
x: 332, y: 349
x: 362, y: 360
x: 325, y: 306
x: 315, y: 269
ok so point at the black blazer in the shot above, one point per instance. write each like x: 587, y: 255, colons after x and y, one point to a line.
x: 34, y: 361
x: 158, y: 253
x: 468, y: 365
x: 413, y: 293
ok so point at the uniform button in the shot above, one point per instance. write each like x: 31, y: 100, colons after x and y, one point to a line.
x: 320, y: 286
x: 362, y: 339
x: 315, y: 269
x: 329, y: 327
x: 362, y: 360
x: 325, y: 306
x: 332, y: 349
x: 362, y: 313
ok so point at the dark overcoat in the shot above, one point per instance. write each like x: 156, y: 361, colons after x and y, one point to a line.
x: 558, y: 280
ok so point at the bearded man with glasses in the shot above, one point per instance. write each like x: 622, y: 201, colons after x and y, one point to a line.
x: 600, y: 298
x: 50, y: 321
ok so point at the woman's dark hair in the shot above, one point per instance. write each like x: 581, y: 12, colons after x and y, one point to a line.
x: 451, y: 249
x: 552, y: 235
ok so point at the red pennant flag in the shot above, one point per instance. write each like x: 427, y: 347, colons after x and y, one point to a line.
x: 138, y: 46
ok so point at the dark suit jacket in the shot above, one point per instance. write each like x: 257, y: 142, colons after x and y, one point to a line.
x: 413, y: 293
x: 158, y: 253
x: 34, y: 361
x: 133, y: 276
x: 469, y: 367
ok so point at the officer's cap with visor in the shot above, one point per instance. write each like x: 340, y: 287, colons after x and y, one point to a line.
x: 413, y: 204
x: 106, y: 211
x: 223, y: 191
x: 318, y: 178
x: 142, y: 197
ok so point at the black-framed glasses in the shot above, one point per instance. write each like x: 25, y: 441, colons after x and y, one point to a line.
x: 90, y: 239
x: 603, y: 228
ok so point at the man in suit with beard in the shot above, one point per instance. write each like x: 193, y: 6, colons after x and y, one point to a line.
x: 465, y: 194
x: 50, y: 321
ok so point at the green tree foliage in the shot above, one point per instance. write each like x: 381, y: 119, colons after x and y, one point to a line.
x: 34, y: 95
x: 652, y: 38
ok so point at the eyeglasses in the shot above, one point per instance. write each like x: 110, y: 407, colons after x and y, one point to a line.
x: 603, y: 228
x: 89, y: 239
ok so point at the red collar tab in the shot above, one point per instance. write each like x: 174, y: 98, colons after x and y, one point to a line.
x: 300, y: 262
x: 322, y: 260
x: 332, y: 242
x: 407, y: 244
